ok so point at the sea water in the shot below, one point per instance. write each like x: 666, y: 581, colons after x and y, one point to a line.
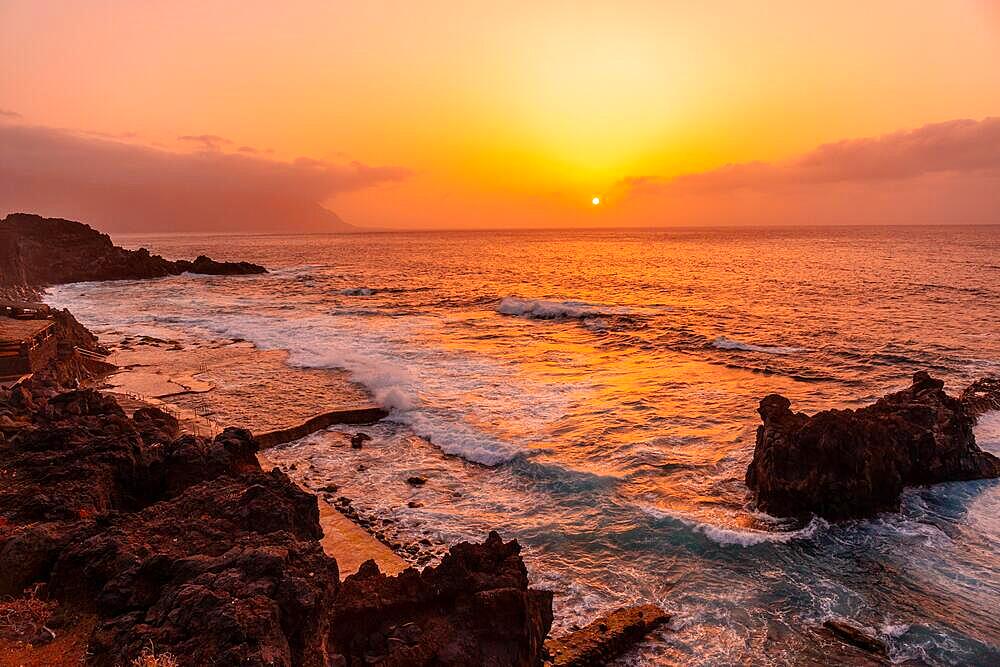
x: 593, y: 394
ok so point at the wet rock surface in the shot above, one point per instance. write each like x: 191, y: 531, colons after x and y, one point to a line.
x: 856, y: 636
x: 184, y: 543
x: 605, y: 638
x: 38, y: 251
x: 843, y: 464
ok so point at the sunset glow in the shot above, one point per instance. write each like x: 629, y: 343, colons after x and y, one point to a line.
x: 493, y: 117
x: 537, y: 332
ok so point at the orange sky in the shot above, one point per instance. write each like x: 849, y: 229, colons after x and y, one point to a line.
x: 506, y: 114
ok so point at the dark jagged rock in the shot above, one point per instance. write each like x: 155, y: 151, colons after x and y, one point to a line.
x: 186, y: 545
x: 854, y: 463
x: 359, y: 439
x: 229, y: 572
x: 155, y: 425
x: 207, y: 266
x: 77, y: 456
x: 982, y: 396
x: 855, y: 636
x: 475, y: 608
x: 36, y: 251
x: 605, y: 638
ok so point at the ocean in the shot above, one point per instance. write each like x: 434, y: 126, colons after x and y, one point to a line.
x: 593, y: 394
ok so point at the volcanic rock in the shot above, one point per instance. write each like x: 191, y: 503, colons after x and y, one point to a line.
x: 359, y: 439
x: 50, y: 251
x: 842, y: 464
x: 605, y: 638
x: 228, y: 572
x: 855, y: 636
x: 183, y: 543
x: 155, y: 425
x: 208, y: 266
x: 474, y: 608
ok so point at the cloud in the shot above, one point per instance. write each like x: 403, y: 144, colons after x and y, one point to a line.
x: 7, y: 113
x: 208, y: 142
x: 122, y: 186
x: 958, y: 145
x: 943, y: 172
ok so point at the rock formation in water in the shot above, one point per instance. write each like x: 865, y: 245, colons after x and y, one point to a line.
x: 185, y: 544
x: 841, y: 464
x: 606, y: 638
x: 37, y: 251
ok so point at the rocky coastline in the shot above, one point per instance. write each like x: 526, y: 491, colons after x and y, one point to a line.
x: 126, y: 540
x: 37, y: 251
x: 185, y: 543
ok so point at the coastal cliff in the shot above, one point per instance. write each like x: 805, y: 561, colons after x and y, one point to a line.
x: 37, y: 251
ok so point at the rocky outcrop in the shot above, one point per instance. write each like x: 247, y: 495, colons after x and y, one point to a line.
x: 475, y: 608
x: 185, y: 544
x: 606, y: 638
x: 207, y: 266
x: 855, y: 636
x: 227, y: 572
x: 854, y: 463
x: 36, y: 251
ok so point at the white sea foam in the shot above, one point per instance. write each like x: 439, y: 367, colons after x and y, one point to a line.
x: 555, y: 310
x: 734, y: 537
x: 457, y: 439
x: 383, y: 358
x: 987, y: 432
x: 894, y: 630
x: 724, y: 343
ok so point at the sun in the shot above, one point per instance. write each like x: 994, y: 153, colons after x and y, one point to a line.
x: 595, y: 201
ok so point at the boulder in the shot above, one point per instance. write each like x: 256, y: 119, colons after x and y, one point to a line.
x: 856, y: 636
x: 474, y: 608
x: 843, y: 464
x: 228, y: 572
x: 155, y: 425
x: 605, y: 638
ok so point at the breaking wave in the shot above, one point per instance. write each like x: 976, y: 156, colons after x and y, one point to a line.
x: 554, y: 310
x: 723, y: 343
x: 734, y: 537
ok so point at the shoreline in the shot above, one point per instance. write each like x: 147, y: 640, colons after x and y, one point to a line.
x: 197, y: 545
x: 124, y: 535
x: 344, y: 538
x: 403, y: 489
